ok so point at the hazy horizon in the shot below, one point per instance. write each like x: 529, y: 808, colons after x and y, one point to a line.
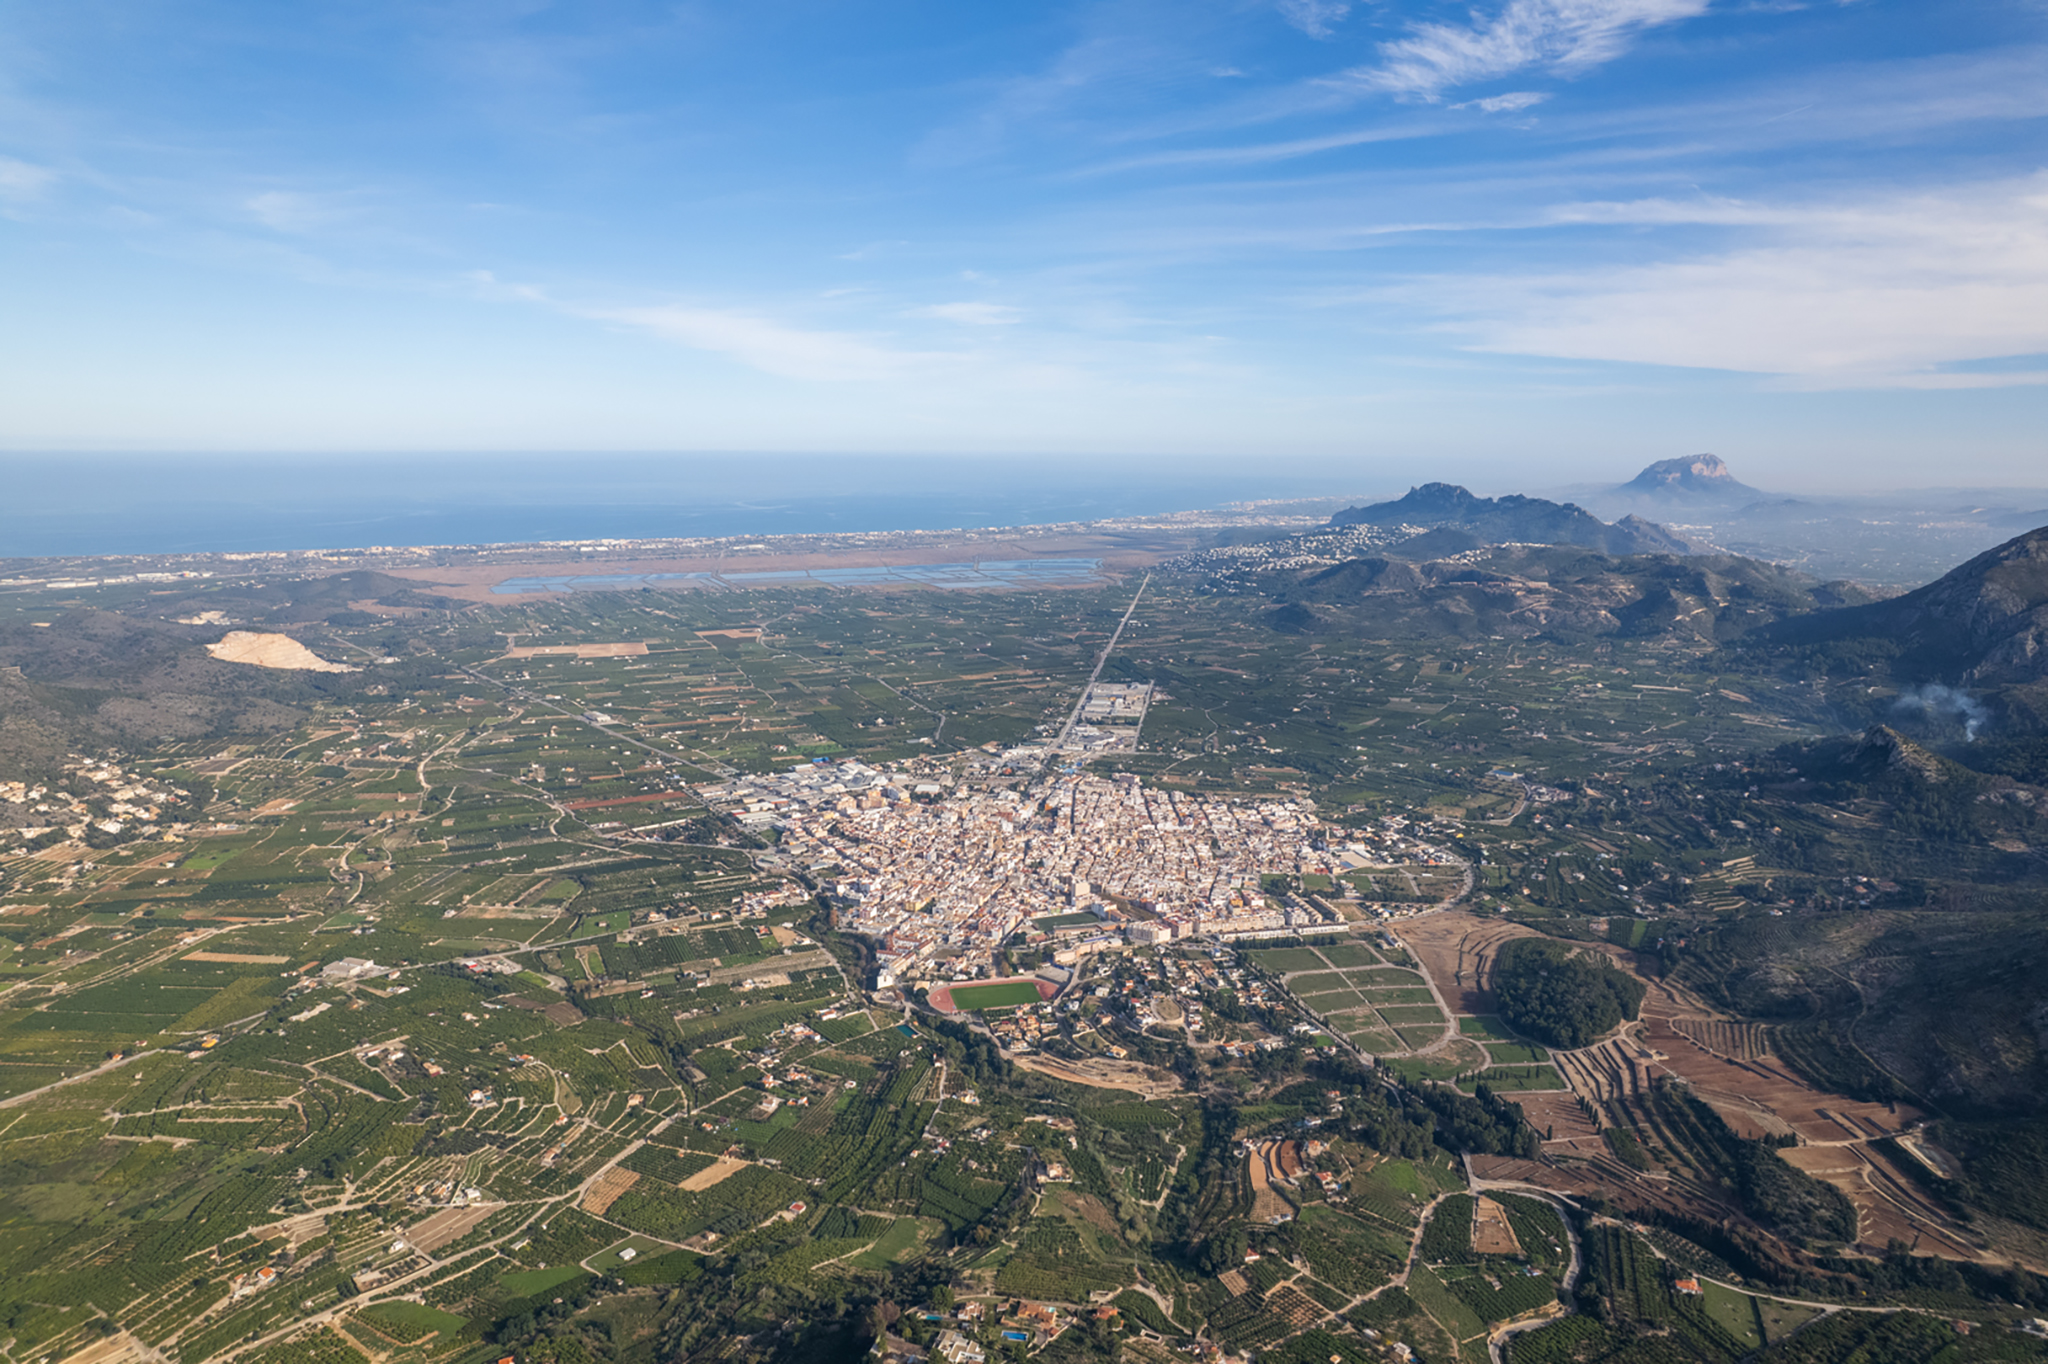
x: 72, y: 504
x: 1807, y: 237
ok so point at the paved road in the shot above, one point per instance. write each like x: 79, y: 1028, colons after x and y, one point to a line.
x: 1067, y: 730
x: 101, y: 1069
x: 1496, y: 1343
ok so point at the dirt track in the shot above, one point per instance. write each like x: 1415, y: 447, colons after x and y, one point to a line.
x: 1145, y: 1081
x: 1456, y: 950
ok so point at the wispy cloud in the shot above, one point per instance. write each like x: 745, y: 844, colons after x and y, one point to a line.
x: 22, y: 180
x: 1511, y: 103
x: 971, y: 314
x: 871, y: 250
x: 1852, y: 102
x: 1889, y: 292
x: 1078, y: 71
x: 485, y: 284
x: 285, y: 211
x: 747, y: 336
x: 1316, y: 18
x: 771, y: 346
x: 1259, y: 152
x: 1561, y: 36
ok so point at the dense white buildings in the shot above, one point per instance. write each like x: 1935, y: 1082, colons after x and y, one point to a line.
x: 936, y: 882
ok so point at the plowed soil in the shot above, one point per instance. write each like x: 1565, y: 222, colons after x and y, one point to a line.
x: 724, y: 1168
x: 1456, y: 949
x: 1558, y: 1114
x: 1727, y: 1063
x: 1267, y: 1206
x: 1888, y: 1207
x: 606, y: 1190
x: 579, y: 650
x: 1491, y: 1234
x: 449, y: 1224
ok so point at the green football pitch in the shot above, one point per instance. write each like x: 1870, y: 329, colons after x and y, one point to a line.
x: 994, y: 996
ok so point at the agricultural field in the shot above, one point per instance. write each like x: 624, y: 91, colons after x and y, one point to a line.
x: 1350, y: 988
x: 445, y: 994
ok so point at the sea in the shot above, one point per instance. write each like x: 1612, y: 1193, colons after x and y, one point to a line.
x: 93, y: 504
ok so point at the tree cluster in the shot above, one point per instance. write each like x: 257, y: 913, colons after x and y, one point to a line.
x: 1561, y: 997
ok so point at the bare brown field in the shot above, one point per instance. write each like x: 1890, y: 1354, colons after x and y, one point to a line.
x: 1456, y: 950
x: 1888, y: 1207
x: 447, y: 1225
x: 723, y: 1169
x: 1579, y: 1177
x: 578, y: 650
x: 236, y: 958
x: 606, y: 1188
x: 1757, y: 1097
x: 1147, y: 1082
x: 1728, y: 1065
x: 1736, y: 1041
x: 1090, y: 1209
x: 1570, y: 1179
x: 1267, y: 1206
x: 1491, y: 1233
x: 294, y: 1231
x: 1726, y: 1062
x: 1557, y: 1113
x: 119, y: 1348
x: 507, y: 912
x: 1295, y: 1307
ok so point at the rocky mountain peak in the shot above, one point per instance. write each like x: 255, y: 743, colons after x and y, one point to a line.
x: 1688, y: 476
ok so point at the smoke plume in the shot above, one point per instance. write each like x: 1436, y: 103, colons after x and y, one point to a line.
x: 1934, y: 701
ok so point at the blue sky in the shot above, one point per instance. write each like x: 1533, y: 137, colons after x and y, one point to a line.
x: 1812, y: 237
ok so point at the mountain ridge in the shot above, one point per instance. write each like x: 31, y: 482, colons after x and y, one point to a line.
x: 1513, y: 519
x: 1521, y: 592
x: 1983, y: 623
